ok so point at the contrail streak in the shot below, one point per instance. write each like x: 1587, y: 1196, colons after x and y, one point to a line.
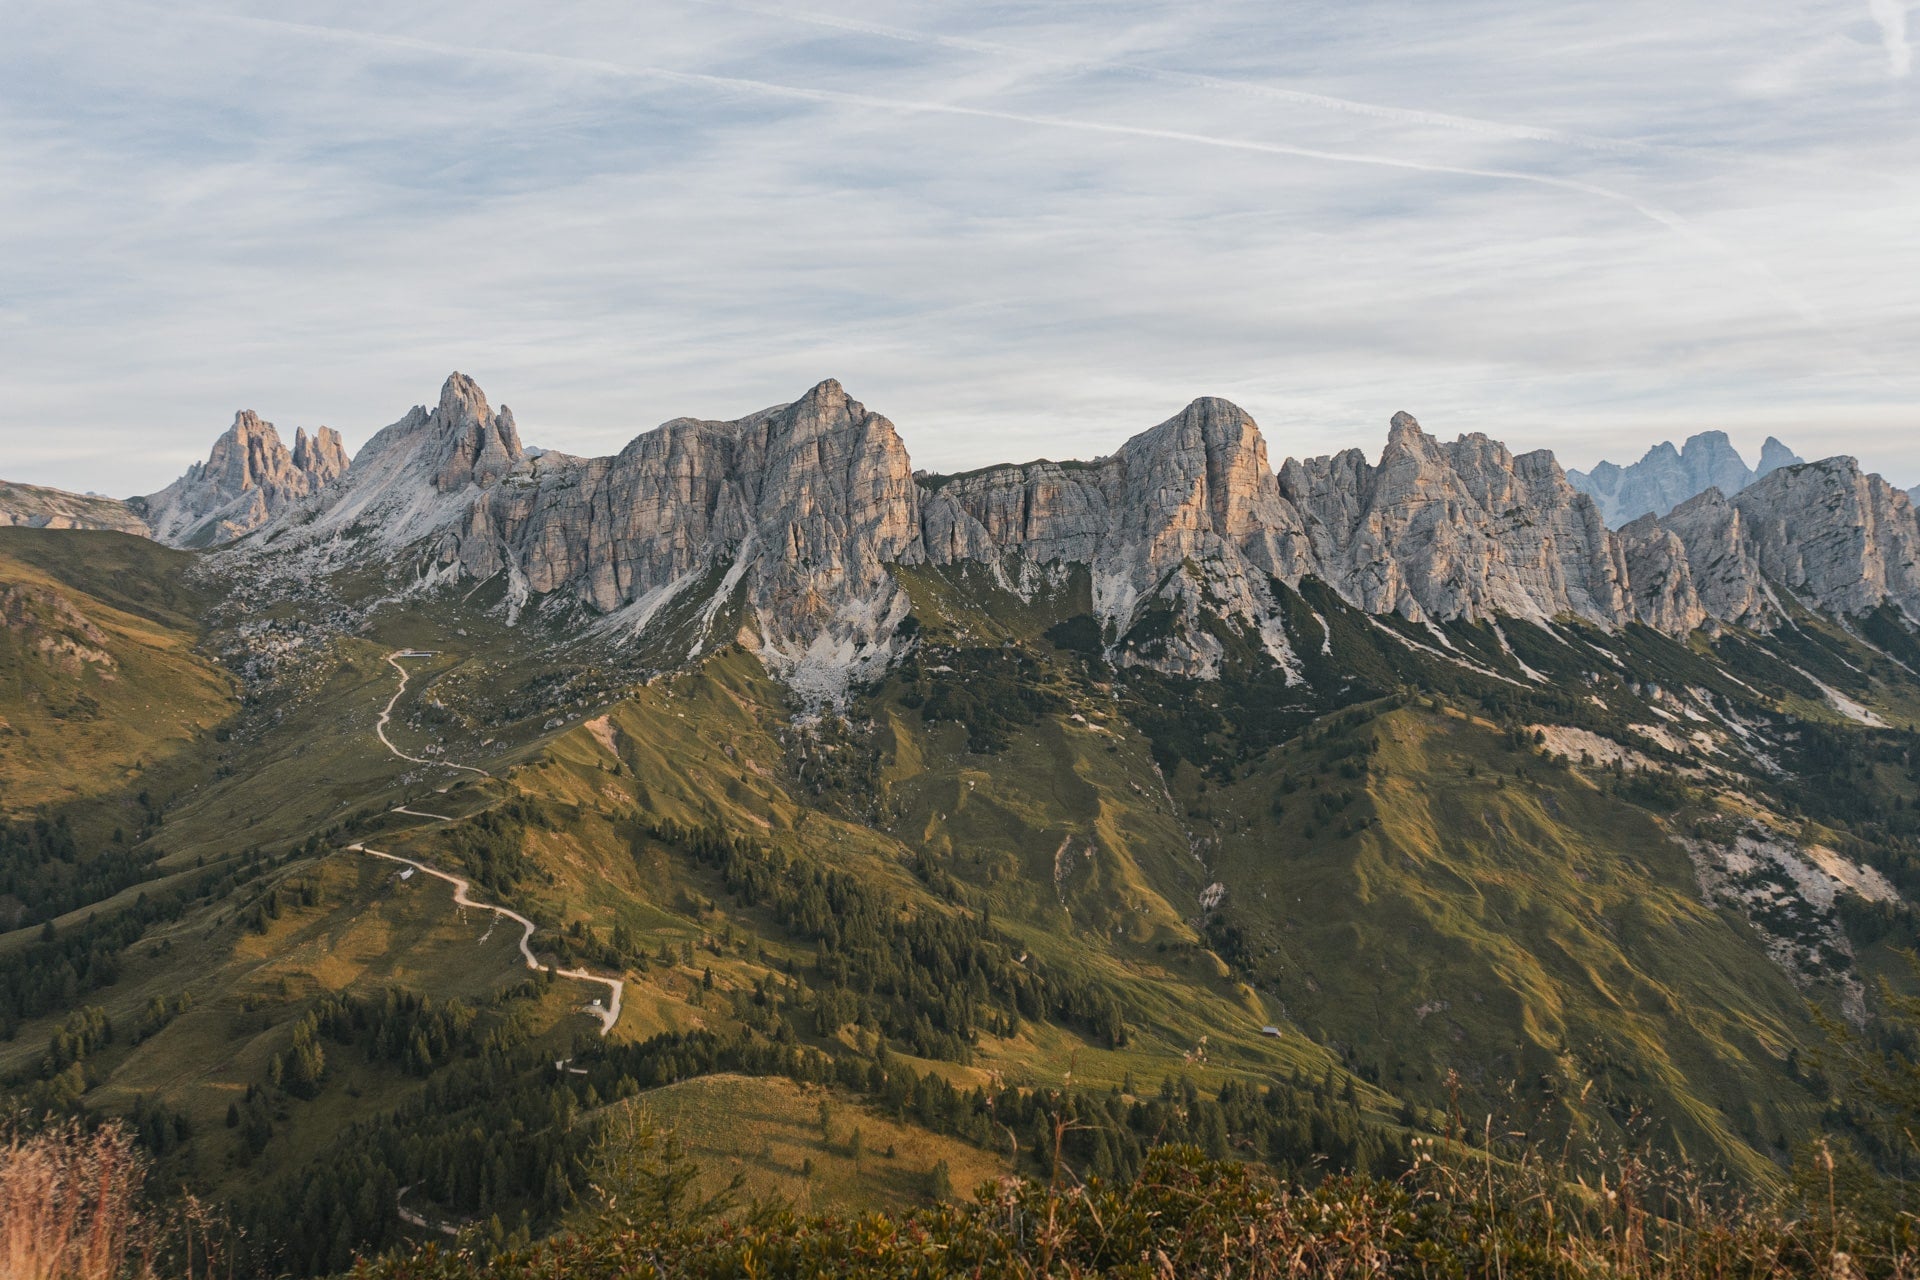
x: 1787, y: 297
x: 1885, y: 10
x: 1297, y: 97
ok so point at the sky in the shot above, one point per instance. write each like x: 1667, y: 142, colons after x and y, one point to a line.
x: 1017, y: 230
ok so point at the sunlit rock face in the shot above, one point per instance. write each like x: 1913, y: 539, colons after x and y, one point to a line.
x: 1460, y: 530
x: 248, y: 478
x: 1842, y: 539
x: 784, y: 531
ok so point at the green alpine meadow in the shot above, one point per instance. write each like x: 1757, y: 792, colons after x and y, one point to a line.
x: 749, y: 855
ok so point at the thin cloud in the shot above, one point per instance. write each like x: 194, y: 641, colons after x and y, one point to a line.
x: 1892, y: 17
x: 1298, y: 97
x: 1786, y: 296
x: 1008, y: 256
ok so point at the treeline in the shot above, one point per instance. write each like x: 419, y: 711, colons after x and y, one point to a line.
x: 64, y: 964
x: 991, y: 691
x: 486, y: 1132
x: 41, y: 865
x: 500, y: 1131
x: 930, y: 981
x: 490, y: 845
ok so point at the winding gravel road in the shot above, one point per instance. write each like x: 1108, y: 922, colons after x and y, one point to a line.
x: 608, y: 1013
x: 386, y: 715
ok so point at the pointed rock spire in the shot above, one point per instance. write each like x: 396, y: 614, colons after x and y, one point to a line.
x: 478, y: 445
x: 248, y: 476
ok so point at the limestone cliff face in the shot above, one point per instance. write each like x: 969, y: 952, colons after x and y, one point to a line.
x: 1187, y: 517
x: 1842, y: 539
x: 1462, y: 530
x: 471, y: 445
x: 795, y: 514
x: 1721, y: 564
x: 248, y: 477
x: 799, y: 510
x: 782, y: 530
x: 1660, y: 576
x: 320, y: 455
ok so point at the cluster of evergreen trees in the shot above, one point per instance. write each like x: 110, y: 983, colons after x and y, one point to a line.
x: 490, y: 844
x: 499, y: 1132
x: 64, y: 964
x: 930, y: 981
x: 41, y: 865
x: 991, y: 691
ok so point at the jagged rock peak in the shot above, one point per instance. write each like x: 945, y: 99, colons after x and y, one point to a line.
x: 1723, y: 565
x: 1842, y: 539
x: 1773, y: 456
x: 481, y: 446
x: 1442, y: 531
x: 1665, y: 476
x: 321, y: 455
x: 248, y: 477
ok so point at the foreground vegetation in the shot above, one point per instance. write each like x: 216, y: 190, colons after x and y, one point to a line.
x: 1188, y: 1215
x: 71, y: 1208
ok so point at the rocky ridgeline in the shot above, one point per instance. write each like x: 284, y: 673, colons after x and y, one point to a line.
x: 779, y: 531
x: 1667, y: 477
x: 33, y: 507
x: 247, y: 479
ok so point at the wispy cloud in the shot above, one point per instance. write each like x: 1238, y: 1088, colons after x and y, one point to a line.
x: 1892, y: 17
x: 1015, y: 231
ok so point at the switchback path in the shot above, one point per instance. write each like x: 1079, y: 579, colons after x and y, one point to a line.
x: 609, y: 1013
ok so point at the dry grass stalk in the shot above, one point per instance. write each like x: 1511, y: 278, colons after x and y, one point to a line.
x: 69, y: 1205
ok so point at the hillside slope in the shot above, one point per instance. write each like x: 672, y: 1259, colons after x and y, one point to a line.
x: 1300, y: 815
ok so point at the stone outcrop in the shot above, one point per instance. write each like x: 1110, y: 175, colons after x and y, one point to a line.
x: 1721, y: 563
x: 1187, y: 517
x: 1841, y: 539
x: 795, y: 514
x: 1666, y: 477
x: 1462, y: 530
x: 248, y: 478
x: 1660, y: 576
x: 783, y: 530
x: 1773, y: 456
x: 33, y: 507
x: 320, y: 456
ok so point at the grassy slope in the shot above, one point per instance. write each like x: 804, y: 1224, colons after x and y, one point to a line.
x: 1535, y: 931
x: 99, y: 678
x: 767, y: 1130
x: 701, y: 748
x: 1546, y: 930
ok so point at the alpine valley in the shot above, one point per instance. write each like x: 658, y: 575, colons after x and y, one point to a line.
x: 372, y: 831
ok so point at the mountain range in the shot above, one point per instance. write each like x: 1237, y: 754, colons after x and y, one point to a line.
x: 373, y: 830
x: 803, y: 509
